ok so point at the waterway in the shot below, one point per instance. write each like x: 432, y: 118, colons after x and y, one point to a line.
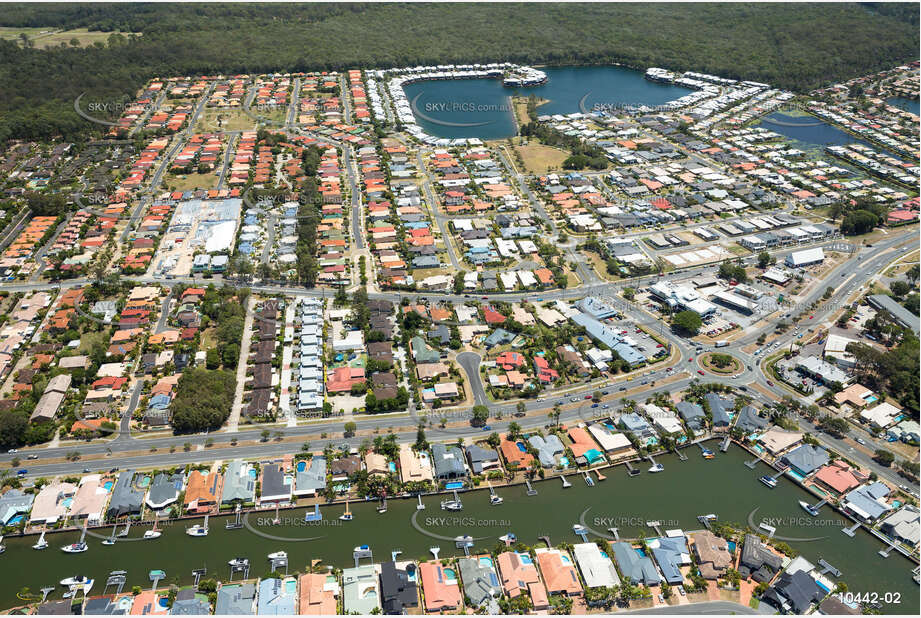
x: 910, y: 105
x: 808, y: 130
x: 481, y: 107
x: 724, y: 486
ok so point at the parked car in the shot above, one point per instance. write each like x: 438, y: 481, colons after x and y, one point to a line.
x: 594, y: 405
x: 700, y: 372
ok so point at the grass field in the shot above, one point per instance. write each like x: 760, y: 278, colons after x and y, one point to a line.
x: 540, y: 159
x: 225, y: 120
x: 187, y: 182
x: 48, y: 37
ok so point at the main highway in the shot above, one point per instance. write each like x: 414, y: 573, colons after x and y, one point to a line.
x: 671, y: 376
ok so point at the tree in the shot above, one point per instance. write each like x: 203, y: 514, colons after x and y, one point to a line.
x: 629, y: 294
x: 764, y: 259
x: 687, y: 322
x: 884, y: 457
x: 521, y: 408
x: 265, y: 435
x: 858, y: 222
x: 421, y: 443
x: 480, y: 416
x: 350, y: 428
x: 514, y: 430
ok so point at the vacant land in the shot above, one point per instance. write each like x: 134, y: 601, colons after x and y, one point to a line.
x: 49, y: 37
x: 540, y: 159
x: 187, y: 182
x: 225, y: 120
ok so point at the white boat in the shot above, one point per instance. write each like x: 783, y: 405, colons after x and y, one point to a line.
x: 496, y: 500
x: 770, y: 481
x: 152, y: 534
x: 451, y: 505
x: 508, y: 538
x: 41, y: 543
x: 656, y: 468
x: 463, y: 539
x: 347, y: 515
x: 197, y: 530
x: 278, y: 555
x: 108, y: 542
x: 361, y: 548
x: 74, y: 548
x: 809, y: 508
x: 420, y: 506
x: 76, y: 580
x: 239, y: 563
x: 579, y: 529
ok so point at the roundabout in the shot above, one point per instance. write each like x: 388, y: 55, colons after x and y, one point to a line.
x: 720, y: 364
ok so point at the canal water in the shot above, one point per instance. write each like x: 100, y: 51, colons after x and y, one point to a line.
x: 910, y: 105
x: 809, y: 130
x: 482, y: 108
x: 675, y: 497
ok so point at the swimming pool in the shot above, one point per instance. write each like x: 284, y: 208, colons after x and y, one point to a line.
x: 252, y: 473
x: 144, y: 482
x: 291, y: 586
x: 301, y: 466
x: 108, y: 485
x: 525, y: 559
x: 564, y: 461
x: 391, y: 466
x: 521, y: 447
x: 15, y: 520
x: 455, y: 485
x: 450, y: 575
x: 486, y: 561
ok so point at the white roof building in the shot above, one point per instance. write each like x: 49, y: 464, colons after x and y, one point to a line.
x: 597, y: 569
x: 806, y: 257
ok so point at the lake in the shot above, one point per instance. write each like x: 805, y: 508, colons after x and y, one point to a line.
x: 482, y: 107
x: 910, y: 105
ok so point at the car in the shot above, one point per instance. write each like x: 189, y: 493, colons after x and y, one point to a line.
x: 604, y: 392
x: 115, y: 469
x: 661, y: 598
x: 594, y: 405
x: 13, y: 450
x: 735, y: 376
x: 486, y: 298
x: 518, y: 414
x: 690, y: 359
x: 843, y: 274
x: 645, y: 382
x: 749, y: 367
x: 86, y: 470
x: 861, y: 441
x: 487, y: 428
x: 587, y: 397
x: 573, y: 399
x: 622, y: 388
x: 605, y: 406
x: 681, y: 590
x: 32, y: 457
x: 22, y: 472
x: 743, y: 388
x: 700, y: 371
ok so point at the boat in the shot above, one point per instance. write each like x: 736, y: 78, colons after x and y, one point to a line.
x: 239, y: 563
x: 508, y: 538
x: 809, y: 508
x: 496, y: 500
x: 707, y: 453
x: 770, y: 481
x: 347, y: 515
x: 466, y: 538
x: 152, y: 534
x: 420, y: 506
x: 110, y: 540
x: 579, y: 529
x: 451, y: 505
x: 41, y: 543
x: 75, y: 548
x: 278, y: 555
x: 382, y: 507
x: 656, y: 468
x: 76, y: 580
x: 197, y: 530
x: 361, y: 548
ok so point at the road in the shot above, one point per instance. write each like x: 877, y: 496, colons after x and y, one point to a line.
x: 706, y: 608
x: 432, y: 200
x: 470, y: 361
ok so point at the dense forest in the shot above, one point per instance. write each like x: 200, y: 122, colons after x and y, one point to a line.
x: 795, y: 46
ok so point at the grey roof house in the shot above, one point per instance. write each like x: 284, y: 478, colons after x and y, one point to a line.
x: 239, y: 484
x: 482, y: 458
x: 126, y: 498
x: 398, y: 592
x: 480, y: 581
x: 236, y: 600
x: 638, y: 569
x: 449, y: 462
x: 719, y: 409
x: 806, y: 459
